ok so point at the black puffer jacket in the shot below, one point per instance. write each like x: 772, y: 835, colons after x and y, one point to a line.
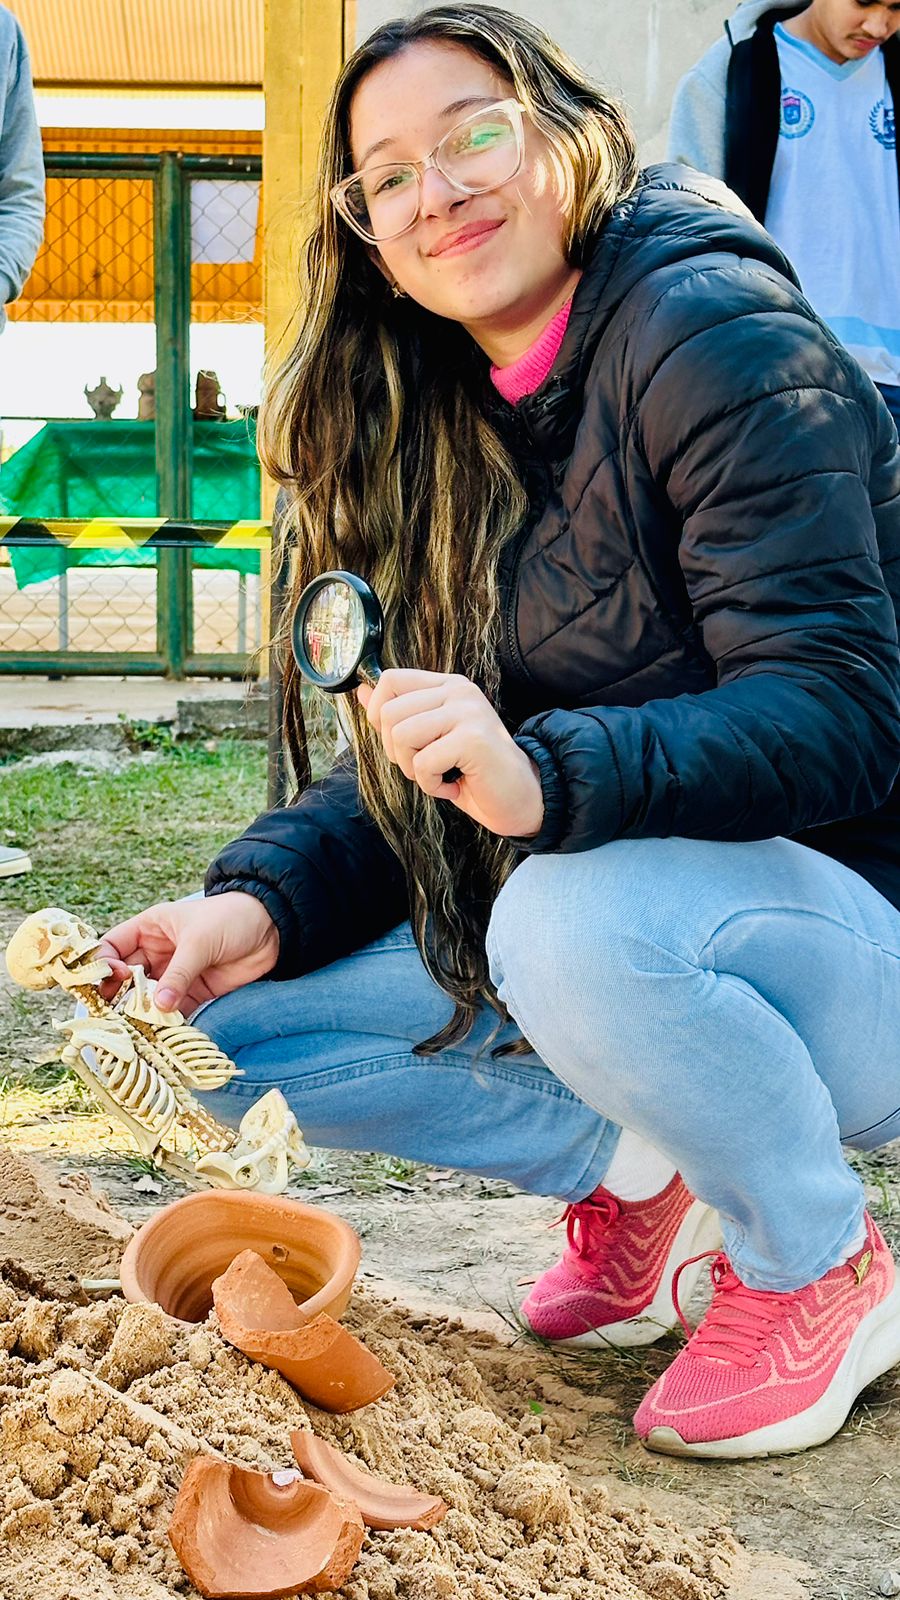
x: 699, y: 636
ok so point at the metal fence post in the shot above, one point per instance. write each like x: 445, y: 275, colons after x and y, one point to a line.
x: 174, y: 420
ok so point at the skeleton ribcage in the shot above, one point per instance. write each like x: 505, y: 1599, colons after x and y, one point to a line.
x: 139, y: 1089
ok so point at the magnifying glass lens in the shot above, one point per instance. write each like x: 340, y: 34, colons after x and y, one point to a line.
x: 334, y: 630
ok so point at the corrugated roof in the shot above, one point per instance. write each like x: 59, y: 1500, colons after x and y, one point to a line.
x: 215, y: 43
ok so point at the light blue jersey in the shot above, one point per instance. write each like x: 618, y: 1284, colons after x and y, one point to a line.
x: 833, y: 203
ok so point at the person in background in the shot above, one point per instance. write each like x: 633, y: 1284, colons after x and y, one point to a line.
x: 21, y: 217
x: 22, y: 203
x: 795, y: 109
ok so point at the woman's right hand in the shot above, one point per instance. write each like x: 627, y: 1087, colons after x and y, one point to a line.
x: 196, y: 949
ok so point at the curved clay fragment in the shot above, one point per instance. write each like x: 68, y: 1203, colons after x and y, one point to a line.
x: 261, y: 1535
x: 258, y: 1314
x: 382, y: 1505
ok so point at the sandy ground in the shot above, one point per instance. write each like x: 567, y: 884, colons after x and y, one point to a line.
x: 825, y: 1523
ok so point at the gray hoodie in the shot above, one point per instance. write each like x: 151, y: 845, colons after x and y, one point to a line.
x: 21, y: 164
x: 697, y: 125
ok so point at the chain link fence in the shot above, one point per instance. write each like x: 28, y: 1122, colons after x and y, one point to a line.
x: 117, y: 227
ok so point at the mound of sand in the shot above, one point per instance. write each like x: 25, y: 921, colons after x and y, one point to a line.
x: 103, y: 1405
x: 53, y: 1232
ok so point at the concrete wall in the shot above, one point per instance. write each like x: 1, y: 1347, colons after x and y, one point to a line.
x: 640, y: 48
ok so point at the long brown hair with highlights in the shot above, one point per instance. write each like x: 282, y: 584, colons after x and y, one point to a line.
x: 378, y: 426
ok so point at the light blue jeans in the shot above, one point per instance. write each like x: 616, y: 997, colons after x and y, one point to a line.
x: 737, y: 1005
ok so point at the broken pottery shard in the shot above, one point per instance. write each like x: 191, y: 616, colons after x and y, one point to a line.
x: 382, y: 1505
x: 258, y: 1314
x: 261, y: 1535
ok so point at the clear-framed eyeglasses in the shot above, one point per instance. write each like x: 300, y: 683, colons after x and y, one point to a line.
x: 480, y: 153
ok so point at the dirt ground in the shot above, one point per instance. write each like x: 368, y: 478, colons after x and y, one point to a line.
x: 825, y: 1524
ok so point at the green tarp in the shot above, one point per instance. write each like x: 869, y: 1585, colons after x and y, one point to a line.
x: 108, y: 469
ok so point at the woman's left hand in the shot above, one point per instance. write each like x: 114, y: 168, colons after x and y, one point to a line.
x: 430, y: 722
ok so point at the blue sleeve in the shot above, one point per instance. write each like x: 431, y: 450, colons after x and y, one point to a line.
x: 697, y: 122
x: 22, y: 203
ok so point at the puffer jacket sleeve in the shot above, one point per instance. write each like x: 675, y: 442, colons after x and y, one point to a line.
x: 780, y: 463
x: 323, y: 871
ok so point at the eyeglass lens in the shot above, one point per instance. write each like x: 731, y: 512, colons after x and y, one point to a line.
x: 479, y: 154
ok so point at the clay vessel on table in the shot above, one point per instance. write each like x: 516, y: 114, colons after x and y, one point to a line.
x: 258, y: 1314
x: 174, y: 1257
x: 382, y: 1505
x: 261, y: 1535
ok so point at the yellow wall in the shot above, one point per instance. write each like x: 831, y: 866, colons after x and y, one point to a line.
x: 298, y: 82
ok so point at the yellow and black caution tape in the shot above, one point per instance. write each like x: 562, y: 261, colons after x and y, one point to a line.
x: 133, y: 533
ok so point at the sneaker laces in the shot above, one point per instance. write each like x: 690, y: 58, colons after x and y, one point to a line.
x: 587, y: 1221
x: 738, y: 1323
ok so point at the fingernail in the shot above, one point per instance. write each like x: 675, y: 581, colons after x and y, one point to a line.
x: 165, y: 998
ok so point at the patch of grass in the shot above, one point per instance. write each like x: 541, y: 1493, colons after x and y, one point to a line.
x: 138, y: 1166
x: 611, y: 1369
x: 30, y: 1095
x: 142, y: 735
x: 106, y: 845
x: 373, y: 1172
x: 48, y: 1076
x: 649, y: 1477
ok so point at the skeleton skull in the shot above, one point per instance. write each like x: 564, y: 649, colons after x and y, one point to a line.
x: 43, y: 951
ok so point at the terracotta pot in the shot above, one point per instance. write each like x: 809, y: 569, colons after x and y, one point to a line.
x: 261, y: 1535
x: 382, y: 1505
x: 174, y: 1257
x: 320, y: 1358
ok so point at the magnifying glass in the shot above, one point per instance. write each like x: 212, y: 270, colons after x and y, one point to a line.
x: 337, y: 634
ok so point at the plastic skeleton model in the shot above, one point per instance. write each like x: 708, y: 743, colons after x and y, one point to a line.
x: 141, y: 1064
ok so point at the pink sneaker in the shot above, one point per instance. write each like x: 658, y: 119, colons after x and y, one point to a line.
x: 614, y: 1282
x: 766, y: 1373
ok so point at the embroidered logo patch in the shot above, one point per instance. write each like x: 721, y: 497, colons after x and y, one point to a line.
x: 797, y: 113
x: 881, y: 122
